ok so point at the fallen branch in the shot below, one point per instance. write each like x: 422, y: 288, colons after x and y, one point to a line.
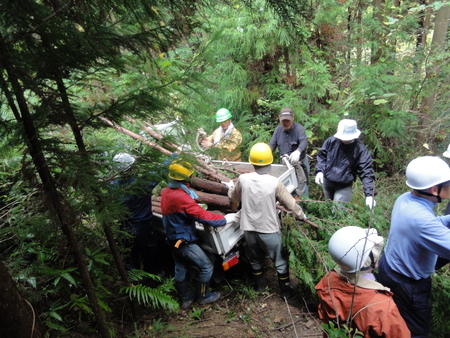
x: 205, y: 169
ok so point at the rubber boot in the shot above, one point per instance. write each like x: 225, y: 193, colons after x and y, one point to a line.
x: 287, y: 290
x: 186, y: 296
x: 260, y: 281
x: 204, y: 296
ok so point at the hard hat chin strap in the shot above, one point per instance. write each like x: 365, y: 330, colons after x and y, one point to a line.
x: 439, y: 199
x: 372, y: 262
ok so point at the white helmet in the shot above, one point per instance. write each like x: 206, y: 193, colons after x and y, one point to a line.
x: 426, y: 172
x: 447, y: 153
x: 351, y: 246
x: 124, y: 160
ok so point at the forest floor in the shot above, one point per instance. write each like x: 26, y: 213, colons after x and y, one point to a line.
x: 240, y: 312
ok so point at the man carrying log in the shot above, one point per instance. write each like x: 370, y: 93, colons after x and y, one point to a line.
x: 258, y: 192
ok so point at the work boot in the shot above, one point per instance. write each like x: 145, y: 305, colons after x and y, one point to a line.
x: 287, y: 290
x: 186, y: 296
x: 204, y: 296
x: 260, y: 281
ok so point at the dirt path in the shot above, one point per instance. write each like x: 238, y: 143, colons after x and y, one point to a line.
x: 242, y: 312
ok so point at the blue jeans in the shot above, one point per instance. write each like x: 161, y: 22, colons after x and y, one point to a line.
x: 411, y: 296
x: 189, y: 254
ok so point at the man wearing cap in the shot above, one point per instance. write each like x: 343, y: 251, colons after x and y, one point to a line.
x: 341, y: 160
x: 290, y: 138
x: 226, y: 138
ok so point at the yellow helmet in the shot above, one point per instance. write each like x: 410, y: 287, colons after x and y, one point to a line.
x: 180, y: 170
x: 261, y: 154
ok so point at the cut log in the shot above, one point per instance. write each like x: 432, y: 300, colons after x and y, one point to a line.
x: 213, y: 201
x: 135, y: 136
x: 209, y: 186
x: 156, y: 210
x: 206, y: 169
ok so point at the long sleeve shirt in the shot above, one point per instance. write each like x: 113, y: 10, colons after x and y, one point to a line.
x: 372, y: 307
x: 343, y: 163
x: 259, y: 194
x: 228, y: 144
x: 180, y: 212
x: 289, y: 141
x: 416, y: 237
x: 138, y: 202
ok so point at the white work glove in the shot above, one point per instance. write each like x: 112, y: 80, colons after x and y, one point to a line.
x: 294, y: 157
x: 231, y: 218
x: 370, y: 202
x: 229, y: 184
x: 319, y: 178
x: 304, y: 218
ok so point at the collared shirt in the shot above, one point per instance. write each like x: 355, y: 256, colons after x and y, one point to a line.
x: 259, y: 194
x: 228, y: 145
x: 416, y: 237
x: 289, y: 140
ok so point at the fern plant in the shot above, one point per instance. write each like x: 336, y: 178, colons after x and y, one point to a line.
x: 158, y: 298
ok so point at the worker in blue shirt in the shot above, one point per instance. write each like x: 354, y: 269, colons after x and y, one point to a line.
x: 417, y: 237
x: 142, y: 246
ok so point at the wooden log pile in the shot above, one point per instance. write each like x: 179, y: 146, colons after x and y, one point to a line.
x: 208, y: 187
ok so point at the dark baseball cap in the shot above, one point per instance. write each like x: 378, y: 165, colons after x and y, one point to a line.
x: 286, y: 114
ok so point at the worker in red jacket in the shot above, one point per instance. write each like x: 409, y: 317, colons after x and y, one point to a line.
x: 350, y: 293
x: 180, y: 213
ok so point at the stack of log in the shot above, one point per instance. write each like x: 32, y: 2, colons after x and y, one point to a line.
x: 209, y: 188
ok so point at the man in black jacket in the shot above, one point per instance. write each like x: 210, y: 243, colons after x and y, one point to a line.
x: 340, y: 160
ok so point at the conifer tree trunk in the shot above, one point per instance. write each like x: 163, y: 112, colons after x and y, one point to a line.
x: 438, y: 45
x: 18, y: 318
x: 55, y: 203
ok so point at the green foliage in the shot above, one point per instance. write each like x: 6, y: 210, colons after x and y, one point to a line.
x: 440, y: 297
x: 245, y: 317
x: 159, y: 62
x: 196, y: 313
x: 158, y: 297
x: 342, y: 331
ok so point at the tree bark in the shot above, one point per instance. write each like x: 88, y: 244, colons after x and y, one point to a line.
x: 209, y: 186
x: 18, y: 318
x: 59, y: 210
x: 438, y: 45
x: 207, y: 170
